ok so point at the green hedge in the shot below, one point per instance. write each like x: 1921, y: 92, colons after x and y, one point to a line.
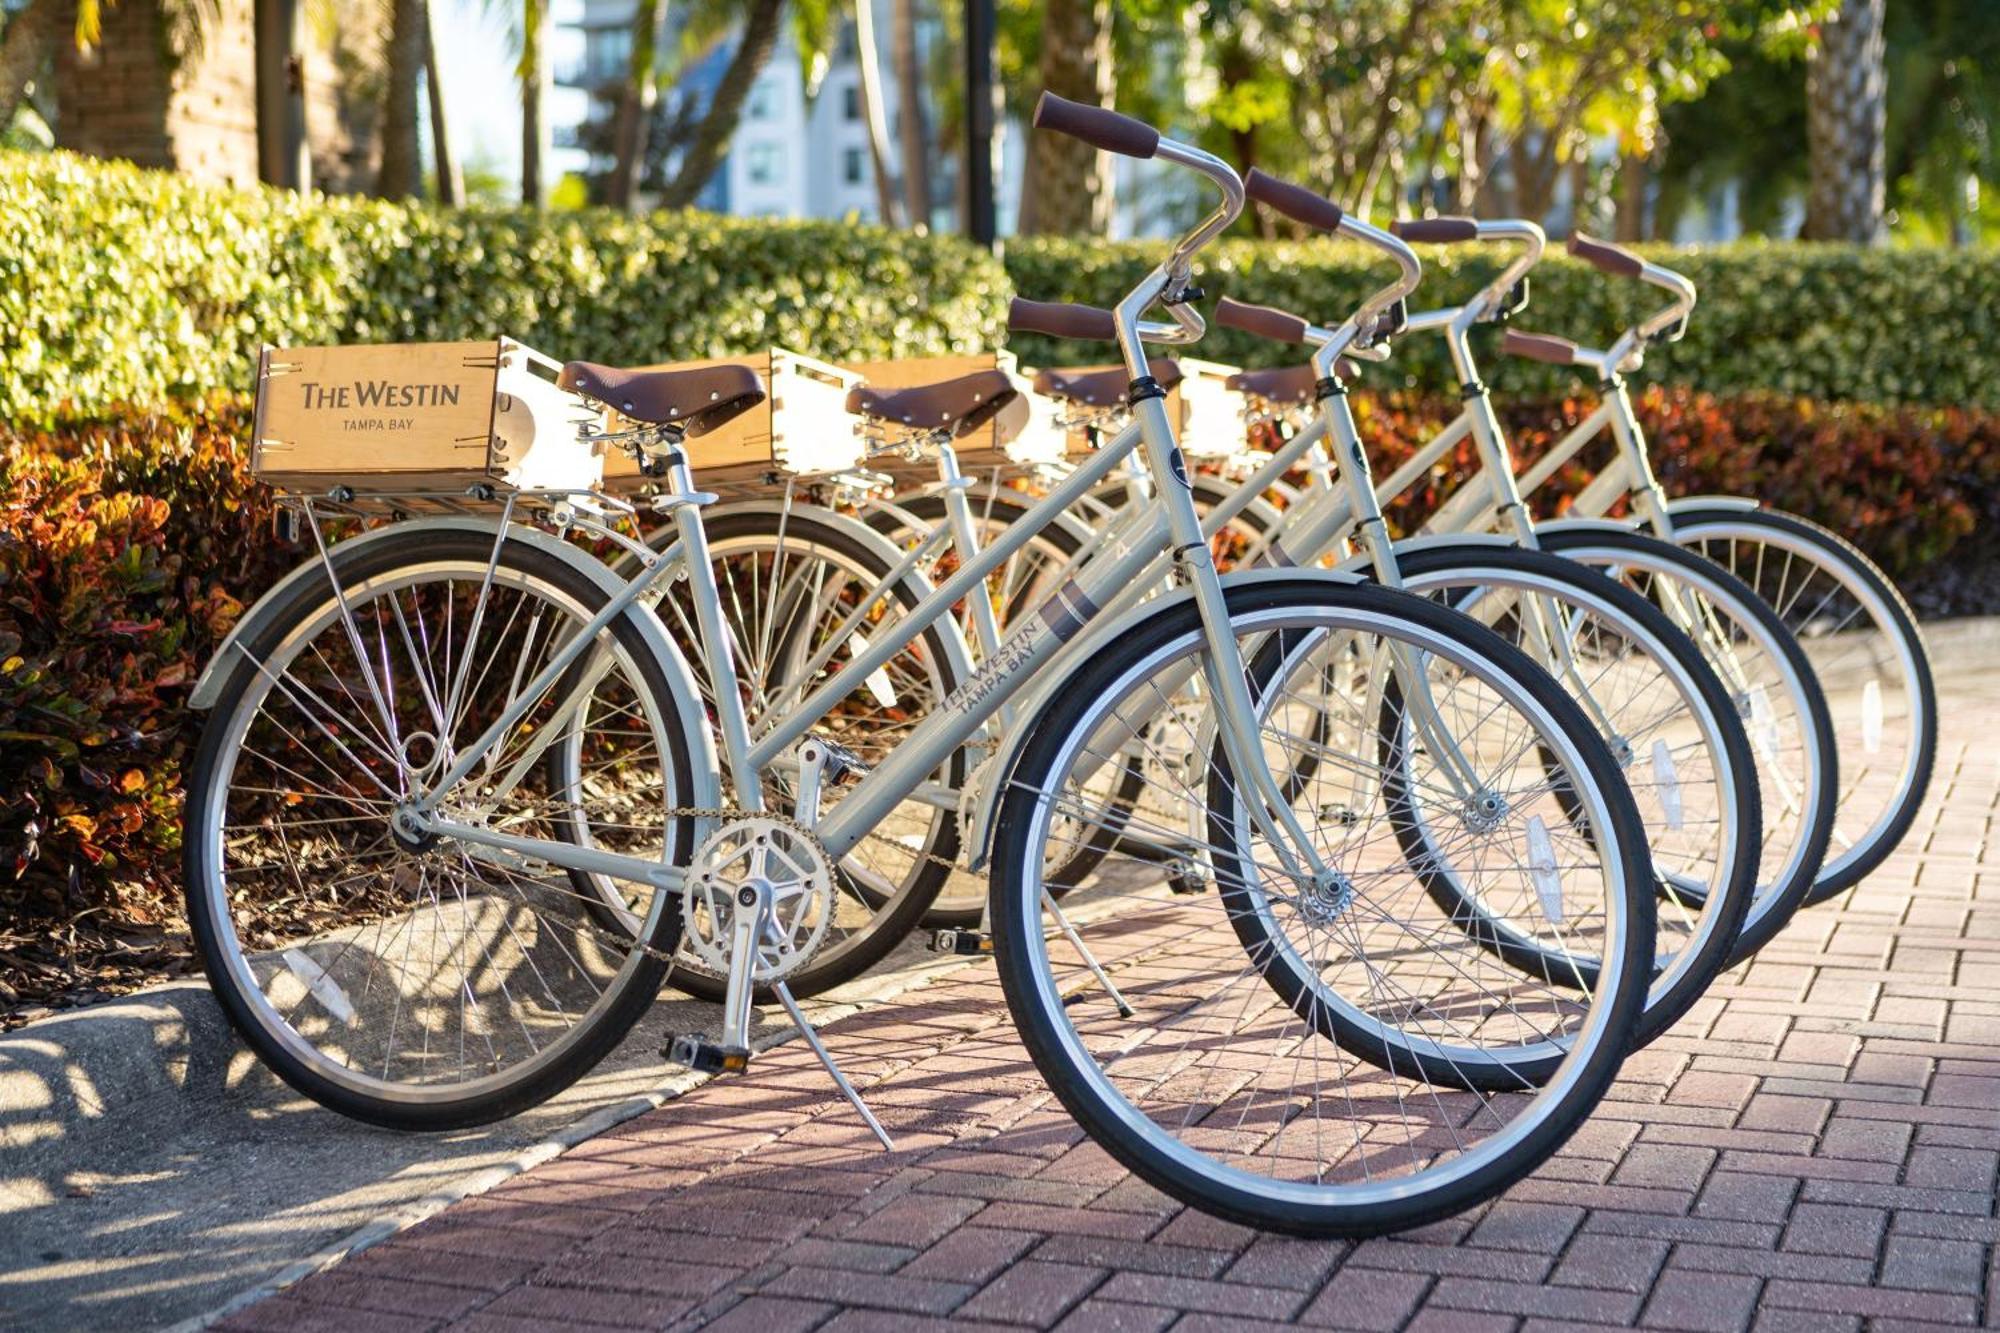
x: 124, y: 285
x: 1817, y: 321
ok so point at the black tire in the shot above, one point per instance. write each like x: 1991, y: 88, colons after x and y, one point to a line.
x: 1609, y: 547
x: 1110, y: 1120
x: 215, y: 934
x: 1694, y: 527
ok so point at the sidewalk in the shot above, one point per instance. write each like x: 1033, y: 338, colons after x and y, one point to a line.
x: 1815, y: 1147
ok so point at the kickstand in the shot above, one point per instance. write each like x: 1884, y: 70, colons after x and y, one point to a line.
x: 1089, y: 960
x: 826, y: 1058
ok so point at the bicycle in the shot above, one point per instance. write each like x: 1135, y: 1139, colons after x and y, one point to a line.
x: 1760, y: 663
x: 467, y: 830
x: 1858, y: 632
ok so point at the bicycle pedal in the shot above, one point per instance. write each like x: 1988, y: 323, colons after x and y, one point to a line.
x: 1186, y: 884
x: 705, y: 1057
x: 962, y: 943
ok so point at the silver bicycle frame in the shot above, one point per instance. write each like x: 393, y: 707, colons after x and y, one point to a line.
x: 1174, y: 524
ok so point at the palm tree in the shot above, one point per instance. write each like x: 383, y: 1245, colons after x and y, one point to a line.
x: 913, y: 134
x: 872, y: 114
x: 534, y: 76
x: 1068, y: 190
x: 758, y: 38
x: 25, y: 48
x: 401, y: 173
x: 1846, y: 122
x: 634, y: 116
x: 450, y: 180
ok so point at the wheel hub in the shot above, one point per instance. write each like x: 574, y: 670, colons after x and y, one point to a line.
x: 1325, y: 898
x: 1484, y: 811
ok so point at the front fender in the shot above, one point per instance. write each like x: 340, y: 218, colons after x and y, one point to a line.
x: 1587, y: 525
x: 680, y: 680
x: 982, y: 791
x: 1734, y: 503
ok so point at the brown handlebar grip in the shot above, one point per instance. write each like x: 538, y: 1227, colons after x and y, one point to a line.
x: 1436, y: 231
x: 1605, y: 257
x: 1294, y: 201
x: 1539, y: 347
x: 1261, y: 320
x: 1097, y: 126
x: 1059, y: 320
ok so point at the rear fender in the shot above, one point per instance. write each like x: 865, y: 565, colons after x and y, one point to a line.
x: 680, y: 679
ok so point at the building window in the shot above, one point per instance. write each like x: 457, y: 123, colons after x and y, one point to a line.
x: 763, y: 164
x: 851, y: 166
x: 850, y: 102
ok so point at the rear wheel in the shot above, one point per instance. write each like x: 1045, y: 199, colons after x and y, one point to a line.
x: 410, y: 980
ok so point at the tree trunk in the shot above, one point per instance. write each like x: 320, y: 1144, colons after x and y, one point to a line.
x: 873, y: 116
x: 1069, y: 189
x: 534, y: 99
x: 282, y: 156
x: 1535, y: 177
x: 401, y: 172
x: 913, y: 135
x: 29, y: 42
x: 1635, y: 173
x: 1846, y: 117
x: 451, y: 181
x: 635, y: 109
x: 711, y: 138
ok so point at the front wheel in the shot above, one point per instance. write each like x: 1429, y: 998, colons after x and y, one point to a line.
x: 1771, y: 684
x: 1418, y: 1073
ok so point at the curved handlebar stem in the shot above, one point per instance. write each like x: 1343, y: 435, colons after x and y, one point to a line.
x: 1630, y: 349
x: 1518, y: 231
x: 1106, y: 129
x: 1173, y: 273
x: 1362, y: 333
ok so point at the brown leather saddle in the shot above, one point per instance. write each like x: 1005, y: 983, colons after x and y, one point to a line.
x: 697, y: 399
x: 959, y: 405
x: 1102, y: 387
x: 1291, y: 384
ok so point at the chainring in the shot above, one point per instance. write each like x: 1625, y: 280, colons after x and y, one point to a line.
x: 787, y: 857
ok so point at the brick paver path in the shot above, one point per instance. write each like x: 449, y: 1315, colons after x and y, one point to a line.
x: 1814, y: 1148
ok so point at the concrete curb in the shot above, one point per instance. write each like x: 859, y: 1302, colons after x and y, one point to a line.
x: 389, y: 1224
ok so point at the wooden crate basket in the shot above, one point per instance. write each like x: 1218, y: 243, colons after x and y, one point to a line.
x: 1024, y: 433
x: 1211, y: 413
x: 1207, y: 416
x: 802, y: 428
x: 414, y: 419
